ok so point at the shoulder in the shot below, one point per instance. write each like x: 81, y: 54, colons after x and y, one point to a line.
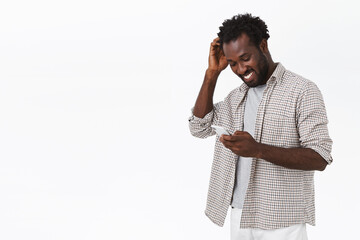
x: 297, y: 83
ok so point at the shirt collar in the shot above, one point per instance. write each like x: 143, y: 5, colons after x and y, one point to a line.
x: 277, y: 74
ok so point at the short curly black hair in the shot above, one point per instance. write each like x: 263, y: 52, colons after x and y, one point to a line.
x: 254, y: 27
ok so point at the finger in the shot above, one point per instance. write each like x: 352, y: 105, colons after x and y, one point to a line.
x: 228, y: 144
x: 221, y: 139
x: 226, y: 137
x: 216, y: 39
x: 238, y: 133
x: 233, y: 138
x: 215, y: 44
x: 214, y: 47
x: 219, y: 53
x: 213, y: 50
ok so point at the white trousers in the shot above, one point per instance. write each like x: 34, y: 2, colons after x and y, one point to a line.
x: 294, y: 232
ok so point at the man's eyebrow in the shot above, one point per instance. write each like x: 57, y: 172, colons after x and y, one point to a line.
x: 241, y: 56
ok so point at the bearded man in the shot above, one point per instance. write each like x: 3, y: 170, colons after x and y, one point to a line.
x: 277, y: 119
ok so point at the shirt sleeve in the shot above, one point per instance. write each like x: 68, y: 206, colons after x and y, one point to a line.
x: 201, y: 127
x: 312, y: 122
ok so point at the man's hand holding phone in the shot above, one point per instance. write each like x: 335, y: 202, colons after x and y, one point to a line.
x: 242, y: 144
x: 220, y: 130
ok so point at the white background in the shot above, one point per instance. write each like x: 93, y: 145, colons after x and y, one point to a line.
x: 94, y: 102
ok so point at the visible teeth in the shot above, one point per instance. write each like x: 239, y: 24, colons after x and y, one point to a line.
x: 248, y: 76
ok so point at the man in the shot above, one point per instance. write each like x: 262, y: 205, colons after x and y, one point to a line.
x: 265, y: 169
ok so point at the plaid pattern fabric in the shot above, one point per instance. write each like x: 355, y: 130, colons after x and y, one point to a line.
x: 291, y: 114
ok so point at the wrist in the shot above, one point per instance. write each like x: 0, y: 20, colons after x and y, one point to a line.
x: 212, y: 72
x: 259, y: 150
x: 211, y: 75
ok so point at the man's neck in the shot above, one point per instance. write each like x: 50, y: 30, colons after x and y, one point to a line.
x: 272, y: 67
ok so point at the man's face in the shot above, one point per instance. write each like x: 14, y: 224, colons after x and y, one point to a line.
x: 247, y: 61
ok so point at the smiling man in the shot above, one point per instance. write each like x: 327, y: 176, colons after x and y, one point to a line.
x: 265, y: 169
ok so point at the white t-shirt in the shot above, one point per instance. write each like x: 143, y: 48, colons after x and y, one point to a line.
x: 243, y: 167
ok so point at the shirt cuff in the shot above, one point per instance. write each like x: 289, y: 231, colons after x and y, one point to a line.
x: 206, y: 119
x: 323, y: 153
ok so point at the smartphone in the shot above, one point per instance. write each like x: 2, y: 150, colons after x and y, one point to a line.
x: 220, y: 130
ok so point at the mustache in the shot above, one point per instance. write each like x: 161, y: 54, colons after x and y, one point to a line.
x: 246, y: 73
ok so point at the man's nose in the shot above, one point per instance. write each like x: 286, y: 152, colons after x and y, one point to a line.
x: 241, y: 69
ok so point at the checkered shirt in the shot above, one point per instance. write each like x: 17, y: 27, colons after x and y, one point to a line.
x: 291, y: 114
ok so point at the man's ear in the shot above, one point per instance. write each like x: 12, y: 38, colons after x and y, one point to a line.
x: 263, y: 46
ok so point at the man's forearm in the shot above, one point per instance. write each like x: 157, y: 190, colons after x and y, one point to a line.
x: 204, y: 101
x: 294, y: 158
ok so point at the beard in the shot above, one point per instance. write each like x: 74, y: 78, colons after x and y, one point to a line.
x: 263, y: 67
